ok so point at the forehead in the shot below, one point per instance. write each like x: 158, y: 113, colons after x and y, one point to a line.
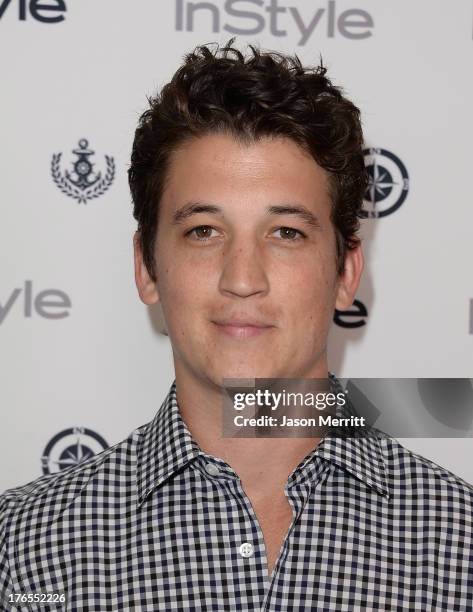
x: 218, y: 167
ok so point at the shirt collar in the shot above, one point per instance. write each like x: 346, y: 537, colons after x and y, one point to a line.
x: 167, y: 445
x: 361, y: 455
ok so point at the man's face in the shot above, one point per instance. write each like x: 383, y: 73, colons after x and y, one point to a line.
x: 251, y: 258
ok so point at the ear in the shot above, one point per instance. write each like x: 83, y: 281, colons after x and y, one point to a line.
x: 147, y: 287
x: 349, y: 279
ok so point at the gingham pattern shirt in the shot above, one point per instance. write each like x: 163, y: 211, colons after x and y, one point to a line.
x: 154, y: 523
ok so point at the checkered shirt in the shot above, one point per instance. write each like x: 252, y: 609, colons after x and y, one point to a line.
x: 154, y: 523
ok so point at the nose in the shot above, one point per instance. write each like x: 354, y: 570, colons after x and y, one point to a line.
x: 243, y: 270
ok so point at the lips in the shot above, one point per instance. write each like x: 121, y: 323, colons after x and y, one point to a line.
x: 247, y: 327
x: 240, y: 322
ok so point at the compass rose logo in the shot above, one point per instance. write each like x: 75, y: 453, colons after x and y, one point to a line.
x: 71, y: 447
x: 388, y: 184
x: 82, y: 183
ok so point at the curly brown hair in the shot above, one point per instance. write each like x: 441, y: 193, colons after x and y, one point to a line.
x: 265, y: 94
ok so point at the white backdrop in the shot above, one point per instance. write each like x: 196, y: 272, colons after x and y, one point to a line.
x: 88, y: 354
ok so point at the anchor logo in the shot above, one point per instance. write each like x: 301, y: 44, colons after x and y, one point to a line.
x: 82, y: 183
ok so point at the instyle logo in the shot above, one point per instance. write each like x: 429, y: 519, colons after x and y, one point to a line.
x: 71, y: 447
x: 49, y: 303
x: 272, y: 16
x: 82, y: 183
x: 353, y: 317
x: 45, y: 11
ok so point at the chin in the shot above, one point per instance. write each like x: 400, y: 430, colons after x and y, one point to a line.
x: 246, y: 371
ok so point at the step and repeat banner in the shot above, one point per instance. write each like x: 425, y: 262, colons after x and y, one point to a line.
x: 83, y: 361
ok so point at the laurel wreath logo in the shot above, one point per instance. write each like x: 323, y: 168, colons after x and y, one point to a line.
x: 74, y: 192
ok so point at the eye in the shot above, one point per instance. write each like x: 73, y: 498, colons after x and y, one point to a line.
x: 202, y: 232
x: 289, y: 233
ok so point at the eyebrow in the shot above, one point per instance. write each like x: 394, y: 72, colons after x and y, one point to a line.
x: 193, y: 208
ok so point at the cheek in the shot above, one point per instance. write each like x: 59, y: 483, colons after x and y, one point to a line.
x: 183, y: 287
x: 312, y: 290
x: 312, y: 277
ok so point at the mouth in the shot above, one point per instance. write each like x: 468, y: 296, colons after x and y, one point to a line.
x: 241, y: 329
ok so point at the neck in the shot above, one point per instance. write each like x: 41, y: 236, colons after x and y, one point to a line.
x: 261, y: 463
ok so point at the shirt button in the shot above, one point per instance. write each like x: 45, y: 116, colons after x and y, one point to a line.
x: 246, y: 549
x: 212, y: 469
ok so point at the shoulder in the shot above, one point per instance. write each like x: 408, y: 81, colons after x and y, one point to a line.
x: 415, y: 474
x: 28, y: 511
x: 55, y: 491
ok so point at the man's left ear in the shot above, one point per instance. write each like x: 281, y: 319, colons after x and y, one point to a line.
x: 349, y: 279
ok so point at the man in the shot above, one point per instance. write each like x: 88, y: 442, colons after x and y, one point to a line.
x: 247, y: 179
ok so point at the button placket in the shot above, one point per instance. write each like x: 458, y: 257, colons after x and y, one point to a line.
x: 252, y: 542
x: 246, y: 550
